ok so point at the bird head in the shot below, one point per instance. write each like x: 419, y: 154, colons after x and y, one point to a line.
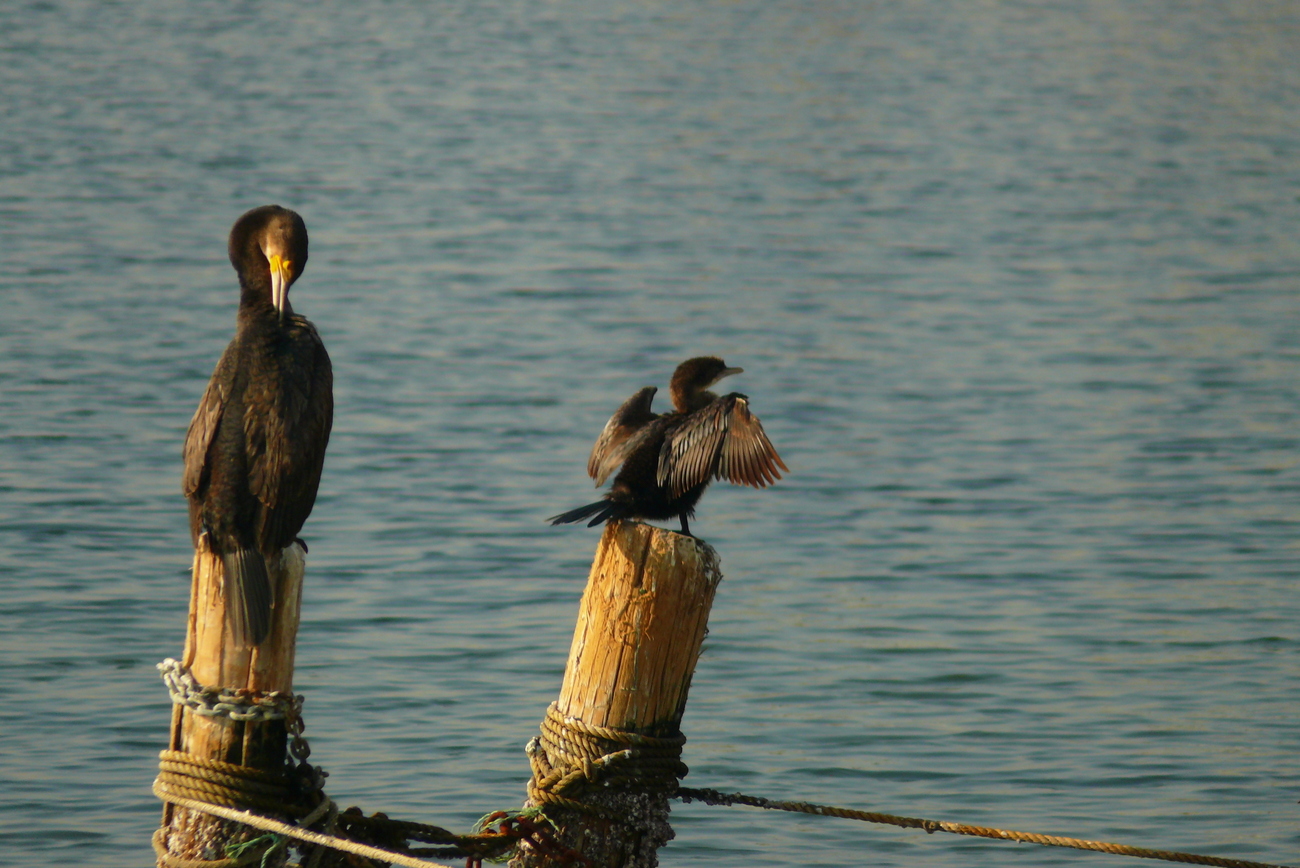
x: 692, y: 379
x: 268, y: 247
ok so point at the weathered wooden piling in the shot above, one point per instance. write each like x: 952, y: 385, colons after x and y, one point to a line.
x: 215, y: 661
x: 607, y: 761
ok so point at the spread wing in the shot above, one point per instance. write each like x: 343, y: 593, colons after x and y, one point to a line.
x: 723, y: 440
x: 285, y: 439
x: 618, y: 439
x: 203, y: 427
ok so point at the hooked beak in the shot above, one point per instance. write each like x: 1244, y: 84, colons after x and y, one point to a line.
x: 727, y: 372
x: 281, y: 277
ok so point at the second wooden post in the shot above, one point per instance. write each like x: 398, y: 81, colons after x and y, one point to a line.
x: 607, y: 762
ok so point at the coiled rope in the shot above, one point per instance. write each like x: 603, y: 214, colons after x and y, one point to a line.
x: 295, y: 791
x: 571, y: 756
x: 228, y: 791
x: 226, y: 784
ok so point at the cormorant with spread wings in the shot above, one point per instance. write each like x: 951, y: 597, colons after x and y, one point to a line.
x: 669, y: 459
x: 256, y: 445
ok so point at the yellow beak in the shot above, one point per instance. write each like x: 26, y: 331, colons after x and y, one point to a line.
x: 281, y: 277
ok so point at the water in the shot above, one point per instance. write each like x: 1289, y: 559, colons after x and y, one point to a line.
x: 1014, y: 288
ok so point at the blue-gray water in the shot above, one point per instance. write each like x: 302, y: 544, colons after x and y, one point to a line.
x: 1014, y: 285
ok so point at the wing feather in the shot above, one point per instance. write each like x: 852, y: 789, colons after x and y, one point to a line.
x: 618, y: 439
x: 690, y: 451
x: 203, y: 427
x: 748, y: 456
x: 723, y: 440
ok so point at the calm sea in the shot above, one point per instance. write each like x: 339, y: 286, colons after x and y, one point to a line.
x: 1014, y: 287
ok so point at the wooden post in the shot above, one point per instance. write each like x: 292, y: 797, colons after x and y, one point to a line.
x: 215, y: 661
x: 640, y: 627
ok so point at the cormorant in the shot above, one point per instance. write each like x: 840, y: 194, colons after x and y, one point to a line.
x: 255, y: 447
x: 668, y: 460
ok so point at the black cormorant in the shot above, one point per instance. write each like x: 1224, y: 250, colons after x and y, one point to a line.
x: 668, y: 460
x: 254, y: 450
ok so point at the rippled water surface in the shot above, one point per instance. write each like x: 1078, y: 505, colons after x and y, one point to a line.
x: 1014, y: 285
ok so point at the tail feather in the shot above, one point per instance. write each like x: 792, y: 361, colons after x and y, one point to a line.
x: 248, y: 596
x: 602, y: 510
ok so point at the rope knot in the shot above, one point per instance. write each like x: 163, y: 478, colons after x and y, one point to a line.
x: 570, y: 757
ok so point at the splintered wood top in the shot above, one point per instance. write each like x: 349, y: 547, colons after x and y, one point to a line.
x: 640, y: 626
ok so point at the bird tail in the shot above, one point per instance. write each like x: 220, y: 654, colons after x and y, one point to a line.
x: 603, y: 510
x: 248, y: 596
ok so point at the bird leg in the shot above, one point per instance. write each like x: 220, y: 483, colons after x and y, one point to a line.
x: 686, y: 528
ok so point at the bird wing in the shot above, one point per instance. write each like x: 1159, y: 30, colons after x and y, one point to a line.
x: 723, y: 440
x: 203, y: 427
x: 616, y: 442
x: 285, y: 436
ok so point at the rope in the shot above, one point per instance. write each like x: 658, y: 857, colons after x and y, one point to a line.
x: 208, y: 785
x: 266, y: 824
x: 714, y: 797
x: 227, y: 784
x: 571, y: 756
x: 187, y: 780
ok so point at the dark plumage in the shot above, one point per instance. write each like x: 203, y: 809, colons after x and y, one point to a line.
x: 255, y: 447
x: 668, y: 460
